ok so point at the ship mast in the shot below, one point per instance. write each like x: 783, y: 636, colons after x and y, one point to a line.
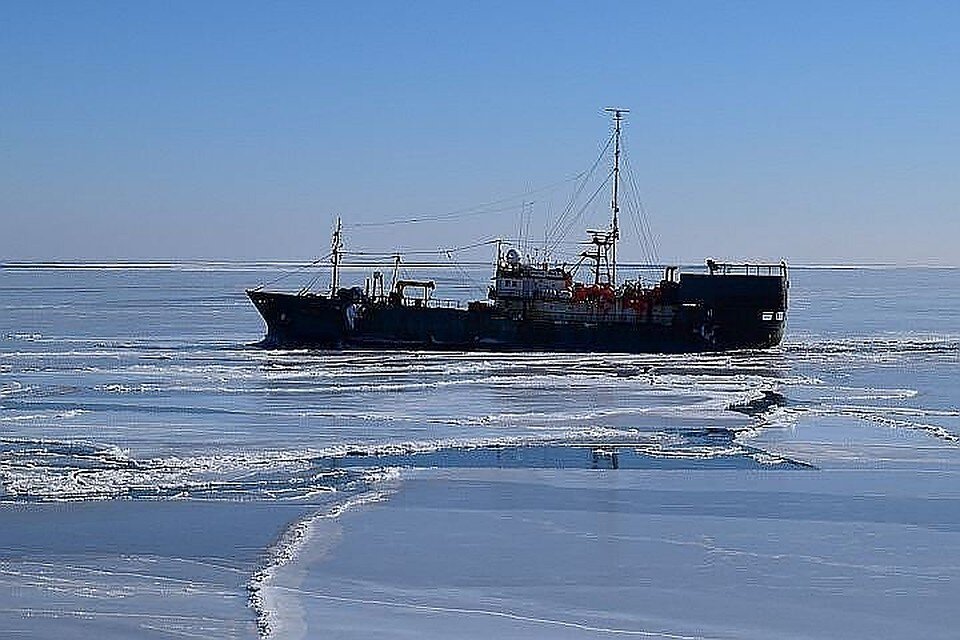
x: 615, y: 203
x: 336, y: 244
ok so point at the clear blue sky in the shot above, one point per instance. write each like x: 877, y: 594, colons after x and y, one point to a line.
x: 814, y: 131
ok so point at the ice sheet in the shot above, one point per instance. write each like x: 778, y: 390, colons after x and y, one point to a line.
x: 134, y: 569
x: 659, y: 554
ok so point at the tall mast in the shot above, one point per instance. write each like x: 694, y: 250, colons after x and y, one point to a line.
x: 335, y: 245
x: 615, y: 203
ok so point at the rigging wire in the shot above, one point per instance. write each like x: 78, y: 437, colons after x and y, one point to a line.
x: 424, y: 252
x: 630, y: 206
x: 286, y: 274
x: 642, y: 221
x: 464, y: 275
x: 553, y: 239
x: 576, y: 194
x: 311, y: 282
x: 467, y: 211
x: 441, y: 253
x: 644, y: 246
x: 577, y: 217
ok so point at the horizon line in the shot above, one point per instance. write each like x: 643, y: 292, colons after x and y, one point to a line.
x: 172, y: 263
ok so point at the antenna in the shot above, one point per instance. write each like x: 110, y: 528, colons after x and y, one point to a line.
x: 396, y: 271
x: 523, y: 211
x: 335, y: 245
x: 614, y: 203
x: 526, y: 213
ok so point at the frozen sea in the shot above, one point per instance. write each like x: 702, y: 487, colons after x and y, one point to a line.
x: 163, y: 478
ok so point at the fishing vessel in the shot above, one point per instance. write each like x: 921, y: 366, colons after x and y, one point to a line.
x: 536, y: 305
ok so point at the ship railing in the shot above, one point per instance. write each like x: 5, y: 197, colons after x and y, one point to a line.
x: 747, y: 268
x: 431, y: 303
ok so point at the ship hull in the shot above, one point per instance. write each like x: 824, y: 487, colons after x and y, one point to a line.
x: 728, y: 314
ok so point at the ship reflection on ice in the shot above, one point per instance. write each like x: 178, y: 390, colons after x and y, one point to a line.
x: 705, y: 449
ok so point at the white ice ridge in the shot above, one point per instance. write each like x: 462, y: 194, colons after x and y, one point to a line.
x: 45, y: 470
x: 63, y: 471
x: 264, y: 594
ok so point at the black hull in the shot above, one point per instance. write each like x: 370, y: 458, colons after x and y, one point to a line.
x: 314, y: 321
